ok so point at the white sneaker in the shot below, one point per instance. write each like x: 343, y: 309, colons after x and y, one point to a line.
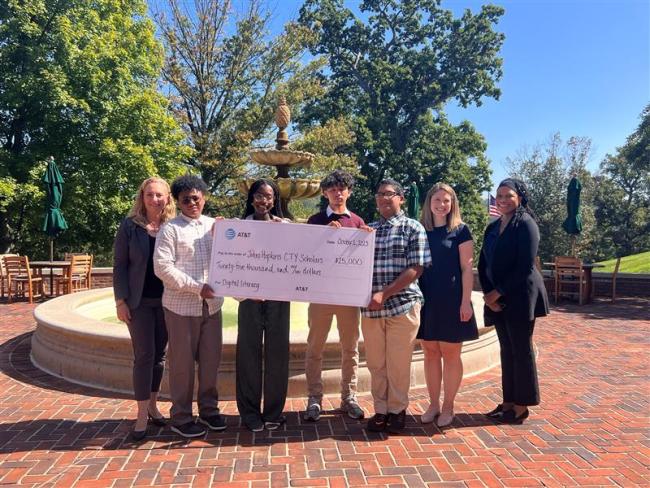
x: 445, y: 419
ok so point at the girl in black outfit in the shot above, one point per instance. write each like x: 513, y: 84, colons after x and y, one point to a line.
x: 262, y: 358
x: 514, y: 296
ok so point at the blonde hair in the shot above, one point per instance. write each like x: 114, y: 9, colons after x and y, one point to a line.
x: 453, y: 217
x: 139, y: 213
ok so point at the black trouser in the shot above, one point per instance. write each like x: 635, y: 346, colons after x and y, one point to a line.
x: 149, y: 339
x: 518, y: 369
x: 262, y: 322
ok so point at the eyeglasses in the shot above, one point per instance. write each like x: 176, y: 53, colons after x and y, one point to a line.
x: 192, y: 199
x: 385, y: 194
x: 258, y: 197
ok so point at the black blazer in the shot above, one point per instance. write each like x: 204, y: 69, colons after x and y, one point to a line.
x: 514, y: 273
x: 131, y: 252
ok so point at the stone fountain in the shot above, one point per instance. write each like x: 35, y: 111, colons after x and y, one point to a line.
x: 78, y: 337
x: 282, y: 157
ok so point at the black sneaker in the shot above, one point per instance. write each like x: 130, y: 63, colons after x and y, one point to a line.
x: 396, y: 422
x: 255, y: 425
x: 275, y: 424
x: 377, y: 423
x: 214, y: 422
x: 189, y: 430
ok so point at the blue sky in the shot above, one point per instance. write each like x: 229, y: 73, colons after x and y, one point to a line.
x: 577, y: 67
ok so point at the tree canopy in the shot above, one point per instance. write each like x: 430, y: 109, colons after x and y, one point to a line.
x: 547, y: 169
x: 391, y: 71
x: 623, y: 196
x: 225, y: 76
x: 78, y: 82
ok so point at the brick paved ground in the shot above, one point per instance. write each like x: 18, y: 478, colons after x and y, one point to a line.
x: 592, y: 429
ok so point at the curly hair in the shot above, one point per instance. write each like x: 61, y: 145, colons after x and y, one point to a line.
x: 337, y: 179
x: 188, y: 183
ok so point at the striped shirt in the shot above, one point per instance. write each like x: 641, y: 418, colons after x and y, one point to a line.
x: 181, y: 260
x: 400, y: 243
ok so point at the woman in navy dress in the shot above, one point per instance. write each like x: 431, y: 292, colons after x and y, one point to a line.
x: 447, y: 317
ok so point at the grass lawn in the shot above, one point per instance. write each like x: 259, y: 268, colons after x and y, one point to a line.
x: 636, y: 263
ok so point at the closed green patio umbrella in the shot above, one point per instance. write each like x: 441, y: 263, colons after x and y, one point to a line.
x: 413, y: 202
x: 54, y: 222
x: 573, y: 223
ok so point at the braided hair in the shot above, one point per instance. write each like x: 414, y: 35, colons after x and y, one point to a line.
x: 520, y: 188
x: 276, y: 209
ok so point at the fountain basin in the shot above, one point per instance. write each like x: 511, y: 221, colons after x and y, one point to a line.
x: 73, y: 341
x: 290, y: 188
x: 281, y: 157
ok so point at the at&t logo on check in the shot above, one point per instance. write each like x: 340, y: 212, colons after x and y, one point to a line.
x: 231, y: 234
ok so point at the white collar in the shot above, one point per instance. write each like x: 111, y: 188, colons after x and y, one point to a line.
x: 329, y: 212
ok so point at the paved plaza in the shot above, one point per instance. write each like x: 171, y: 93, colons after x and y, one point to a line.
x: 592, y: 428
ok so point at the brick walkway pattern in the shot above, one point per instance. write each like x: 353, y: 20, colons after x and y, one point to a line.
x: 592, y: 428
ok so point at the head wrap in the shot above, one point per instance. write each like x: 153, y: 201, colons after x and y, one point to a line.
x: 519, y: 187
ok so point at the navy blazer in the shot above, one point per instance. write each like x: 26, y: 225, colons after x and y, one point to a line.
x: 130, y: 255
x: 514, y: 273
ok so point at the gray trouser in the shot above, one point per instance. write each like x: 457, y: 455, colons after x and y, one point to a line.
x: 266, y: 322
x: 193, y: 339
x: 149, y: 339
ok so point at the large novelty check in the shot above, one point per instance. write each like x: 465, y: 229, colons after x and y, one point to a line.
x: 292, y: 262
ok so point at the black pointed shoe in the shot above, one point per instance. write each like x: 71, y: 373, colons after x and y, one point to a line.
x: 138, y: 435
x: 496, y: 413
x: 509, y: 417
x: 157, y: 421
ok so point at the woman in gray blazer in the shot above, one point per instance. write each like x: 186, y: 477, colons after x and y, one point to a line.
x: 138, y: 296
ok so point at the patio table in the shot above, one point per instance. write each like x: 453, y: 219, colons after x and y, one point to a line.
x: 39, y: 266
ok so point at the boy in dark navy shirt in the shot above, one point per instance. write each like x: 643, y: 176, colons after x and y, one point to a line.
x: 337, y: 188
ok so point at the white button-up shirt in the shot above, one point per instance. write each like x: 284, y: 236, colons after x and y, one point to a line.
x: 181, y: 260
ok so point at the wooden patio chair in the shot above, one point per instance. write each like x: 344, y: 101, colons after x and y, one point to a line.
x: 20, y: 279
x: 3, y: 275
x: 68, y: 255
x: 614, y: 274
x: 78, y: 276
x: 570, y: 278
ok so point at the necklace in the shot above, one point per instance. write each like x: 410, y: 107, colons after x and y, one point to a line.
x: 153, y: 228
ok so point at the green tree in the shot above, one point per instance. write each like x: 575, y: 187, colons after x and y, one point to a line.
x: 225, y: 77
x: 623, y: 196
x: 78, y: 82
x: 547, y: 169
x: 391, y: 73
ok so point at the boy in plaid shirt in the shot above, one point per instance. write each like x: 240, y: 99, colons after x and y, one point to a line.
x: 391, y: 320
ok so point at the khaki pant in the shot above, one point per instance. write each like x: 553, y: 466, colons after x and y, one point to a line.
x: 320, y: 322
x: 389, y: 345
x: 193, y: 339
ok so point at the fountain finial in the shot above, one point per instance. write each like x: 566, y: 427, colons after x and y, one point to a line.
x: 282, y: 119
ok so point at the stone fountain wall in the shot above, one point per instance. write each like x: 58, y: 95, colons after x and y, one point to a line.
x: 70, y: 343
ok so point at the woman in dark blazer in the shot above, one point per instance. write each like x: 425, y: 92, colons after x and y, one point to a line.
x: 514, y: 296
x: 138, y: 296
